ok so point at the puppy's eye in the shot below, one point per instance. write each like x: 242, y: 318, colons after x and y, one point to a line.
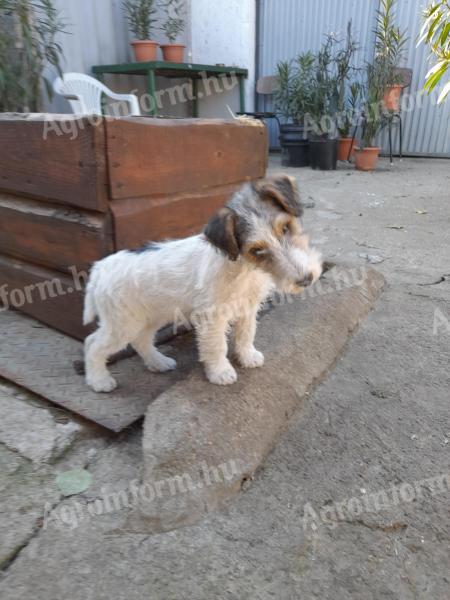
x: 258, y: 252
x: 286, y: 229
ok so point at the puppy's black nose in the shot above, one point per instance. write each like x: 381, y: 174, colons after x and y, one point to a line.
x: 306, y: 281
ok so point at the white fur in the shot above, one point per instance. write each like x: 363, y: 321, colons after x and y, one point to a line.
x: 135, y: 294
x: 191, y: 280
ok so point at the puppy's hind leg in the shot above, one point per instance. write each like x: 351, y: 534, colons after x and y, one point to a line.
x: 154, y: 360
x: 97, y: 348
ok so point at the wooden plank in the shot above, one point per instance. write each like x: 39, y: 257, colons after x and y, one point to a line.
x: 51, y: 297
x: 60, y: 158
x: 151, y: 157
x: 138, y: 220
x: 42, y: 360
x: 51, y: 235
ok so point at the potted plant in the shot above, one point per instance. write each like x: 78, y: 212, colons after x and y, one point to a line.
x: 322, y: 116
x: 28, y: 43
x: 366, y: 155
x: 389, y: 50
x: 346, y: 118
x: 139, y: 14
x: 347, y: 103
x: 173, y: 26
x: 293, y: 101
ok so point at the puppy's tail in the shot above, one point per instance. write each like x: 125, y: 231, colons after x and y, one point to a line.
x: 90, y: 311
x: 90, y: 308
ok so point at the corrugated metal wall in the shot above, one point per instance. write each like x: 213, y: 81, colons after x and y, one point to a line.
x: 288, y: 27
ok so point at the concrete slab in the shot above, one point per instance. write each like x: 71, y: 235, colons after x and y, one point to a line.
x: 23, y: 494
x: 202, y: 443
x: 45, y: 438
x: 42, y: 360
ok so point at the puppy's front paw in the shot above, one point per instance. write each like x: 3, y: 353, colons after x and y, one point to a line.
x: 251, y: 358
x: 222, y: 376
x: 161, y: 364
x: 102, y: 384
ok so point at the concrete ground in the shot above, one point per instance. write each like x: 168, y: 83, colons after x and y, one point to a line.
x: 354, y: 500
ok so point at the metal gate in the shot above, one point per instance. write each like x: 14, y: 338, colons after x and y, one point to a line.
x: 288, y: 27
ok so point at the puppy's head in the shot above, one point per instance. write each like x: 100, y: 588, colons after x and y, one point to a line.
x: 261, y: 225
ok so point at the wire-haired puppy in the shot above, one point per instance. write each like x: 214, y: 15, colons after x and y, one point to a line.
x: 253, y: 245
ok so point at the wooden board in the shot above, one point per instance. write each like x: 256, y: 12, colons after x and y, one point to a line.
x: 51, y: 235
x: 138, y: 220
x: 151, y: 157
x: 41, y: 360
x: 51, y: 297
x: 62, y: 160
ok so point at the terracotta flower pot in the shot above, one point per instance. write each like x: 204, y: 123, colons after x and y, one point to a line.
x: 391, y: 99
x: 344, y: 148
x: 145, y: 50
x: 173, y: 52
x: 366, y: 159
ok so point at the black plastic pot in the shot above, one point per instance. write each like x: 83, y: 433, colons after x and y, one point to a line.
x: 294, y: 146
x: 323, y: 154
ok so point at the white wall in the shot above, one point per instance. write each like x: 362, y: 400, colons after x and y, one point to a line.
x: 222, y: 32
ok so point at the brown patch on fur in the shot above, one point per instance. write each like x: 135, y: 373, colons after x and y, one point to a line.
x: 284, y: 221
x: 281, y: 226
x: 222, y: 232
x: 250, y: 252
x: 282, y: 190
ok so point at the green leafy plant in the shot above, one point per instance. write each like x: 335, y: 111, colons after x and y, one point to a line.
x: 313, y: 89
x: 325, y: 95
x: 390, y: 44
x: 349, y: 111
x: 174, y: 24
x: 28, y: 31
x: 344, y: 70
x: 294, y: 93
x: 374, y: 116
x: 139, y: 14
x: 307, y: 89
x: 436, y: 34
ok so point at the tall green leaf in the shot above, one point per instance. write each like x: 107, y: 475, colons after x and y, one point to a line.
x: 28, y: 30
x: 435, y: 33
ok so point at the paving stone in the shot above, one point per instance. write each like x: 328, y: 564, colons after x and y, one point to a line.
x: 28, y: 427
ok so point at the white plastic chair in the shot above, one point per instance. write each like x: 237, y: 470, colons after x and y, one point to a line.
x: 84, y: 93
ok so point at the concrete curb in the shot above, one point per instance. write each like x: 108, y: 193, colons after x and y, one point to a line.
x: 203, y: 442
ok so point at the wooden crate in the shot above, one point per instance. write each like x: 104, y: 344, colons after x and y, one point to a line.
x: 152, y: 157
x: 137, y: 220
x: 51, y: 297
x: 73, y: 190
x: 54, y: 158
x: 52, y: 235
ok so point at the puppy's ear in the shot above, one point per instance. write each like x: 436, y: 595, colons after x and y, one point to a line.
x: 282, y: 190
x: 221, y: 231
